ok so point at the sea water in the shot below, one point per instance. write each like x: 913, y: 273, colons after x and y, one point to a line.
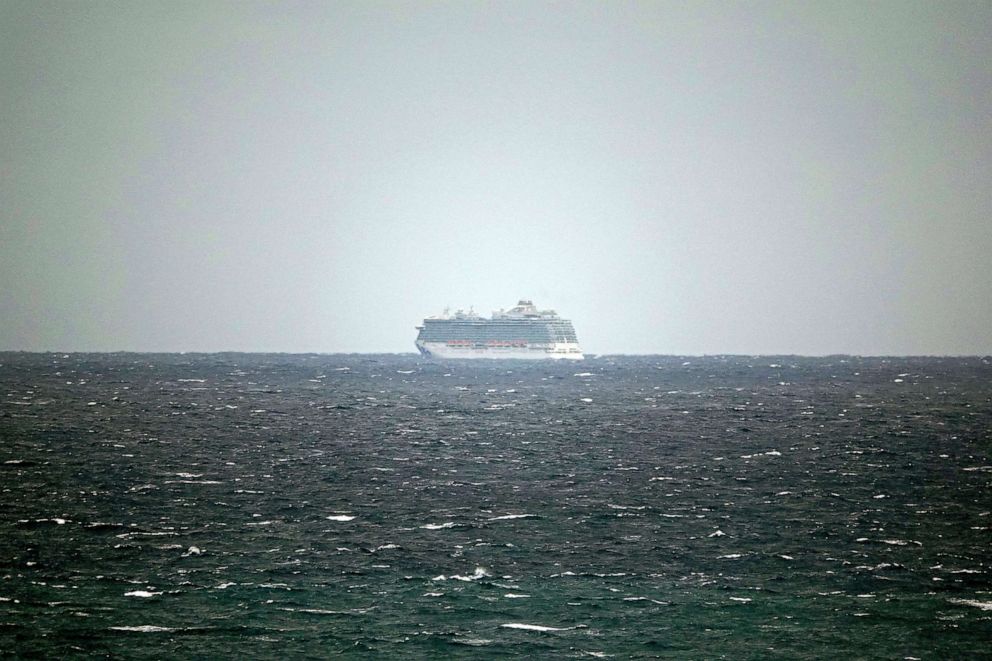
x: 383, y: 506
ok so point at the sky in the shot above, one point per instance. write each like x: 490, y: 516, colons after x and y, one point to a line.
x: 676, y: 178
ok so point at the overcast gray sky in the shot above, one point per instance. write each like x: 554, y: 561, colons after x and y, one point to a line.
x: 319, y: 176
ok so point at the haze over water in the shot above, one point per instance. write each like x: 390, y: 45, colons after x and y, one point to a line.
x: 676, y: 178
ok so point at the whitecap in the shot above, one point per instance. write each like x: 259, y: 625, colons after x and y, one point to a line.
x: 718, y: 533
x: 729, y: 556
x: 438, y: 526
x: 144, y: 628
x: 480, y: 572
x: 984, y: 605
x: 141, y: 593
x: 476, y: 575
x: 743, y: 600
x: 507, y: 517
x: 514, y: 595
x: 340, y: 517
x: 530, y: 627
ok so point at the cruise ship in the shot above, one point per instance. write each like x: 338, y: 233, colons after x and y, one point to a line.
x: 522, y: 331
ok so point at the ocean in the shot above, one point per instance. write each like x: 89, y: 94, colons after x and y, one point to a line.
x: 384, y: 506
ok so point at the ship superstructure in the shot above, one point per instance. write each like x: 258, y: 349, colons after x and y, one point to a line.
x: 523, y: 331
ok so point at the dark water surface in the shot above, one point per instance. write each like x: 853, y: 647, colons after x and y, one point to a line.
x: 381, y: 506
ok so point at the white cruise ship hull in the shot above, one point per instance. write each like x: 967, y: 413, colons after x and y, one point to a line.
x: 557, y: 351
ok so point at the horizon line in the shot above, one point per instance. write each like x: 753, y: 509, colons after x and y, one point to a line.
x: 588, y: 355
